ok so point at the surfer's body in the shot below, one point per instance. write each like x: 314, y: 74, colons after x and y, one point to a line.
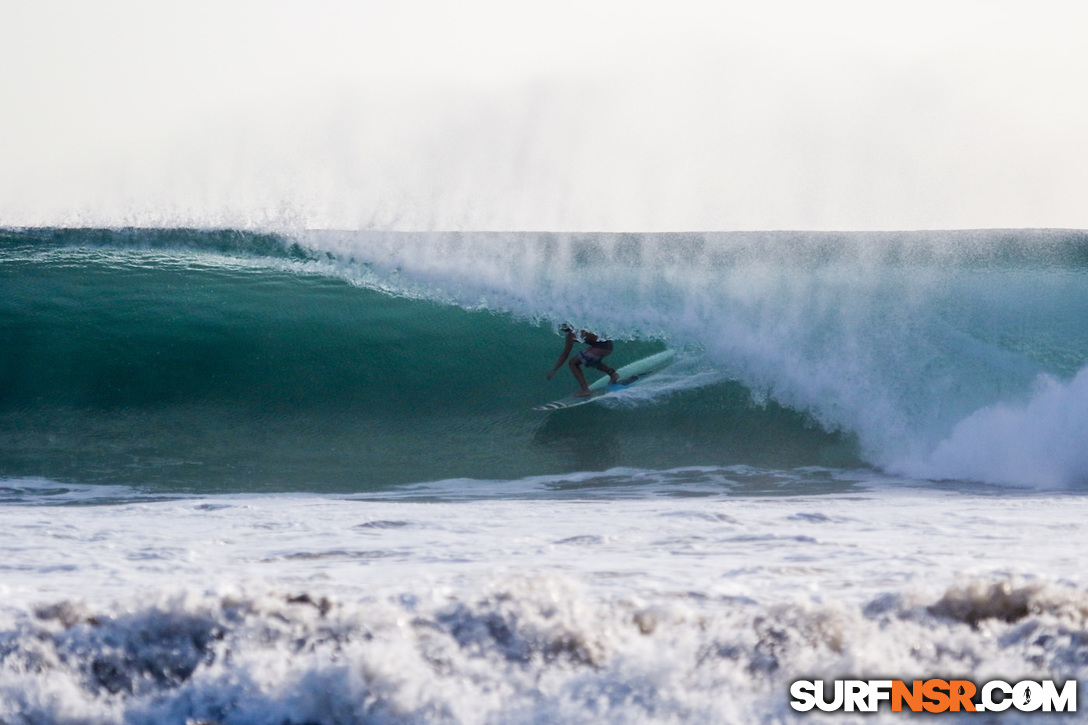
x: 592, y: 357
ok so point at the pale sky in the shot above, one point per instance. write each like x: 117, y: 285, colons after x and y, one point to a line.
x: 478, y: 114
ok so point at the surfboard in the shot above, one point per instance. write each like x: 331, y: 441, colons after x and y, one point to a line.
x: 629, y: 375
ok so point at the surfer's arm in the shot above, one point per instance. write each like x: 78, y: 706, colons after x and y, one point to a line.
x: 562, y: 358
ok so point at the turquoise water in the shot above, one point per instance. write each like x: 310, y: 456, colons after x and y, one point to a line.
x: 334, y: 362
x: 189, y: 370
x: 250, y: 478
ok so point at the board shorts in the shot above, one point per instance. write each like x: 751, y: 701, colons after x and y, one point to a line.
x: 590, y: 361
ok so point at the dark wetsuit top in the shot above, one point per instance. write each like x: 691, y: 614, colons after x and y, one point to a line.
x: 602, y: 344
x: 591, y: 360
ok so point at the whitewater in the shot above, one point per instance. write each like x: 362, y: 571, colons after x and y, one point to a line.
x: 297, y: 478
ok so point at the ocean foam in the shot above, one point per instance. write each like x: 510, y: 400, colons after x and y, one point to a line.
x: 1041, y: 443
x: 524, y: 650
x: 661, y: 608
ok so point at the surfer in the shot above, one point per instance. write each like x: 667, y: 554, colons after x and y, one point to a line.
x: 590, y: 357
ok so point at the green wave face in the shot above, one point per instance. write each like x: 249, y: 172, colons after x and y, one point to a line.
x: 187, y: 370
x: 221, y: 360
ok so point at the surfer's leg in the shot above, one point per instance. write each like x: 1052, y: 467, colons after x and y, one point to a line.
x: 576, y: 368
x: 595, y: 359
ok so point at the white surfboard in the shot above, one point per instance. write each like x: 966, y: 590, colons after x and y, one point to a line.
x: 629, y: 375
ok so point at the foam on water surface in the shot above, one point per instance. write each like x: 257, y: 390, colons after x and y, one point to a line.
x: 257, y: 479
x: 240, y: 609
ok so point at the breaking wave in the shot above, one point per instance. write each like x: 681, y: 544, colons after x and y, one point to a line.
x: 333, y: 359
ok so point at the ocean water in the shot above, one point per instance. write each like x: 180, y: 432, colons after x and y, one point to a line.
x: 297, y: 478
